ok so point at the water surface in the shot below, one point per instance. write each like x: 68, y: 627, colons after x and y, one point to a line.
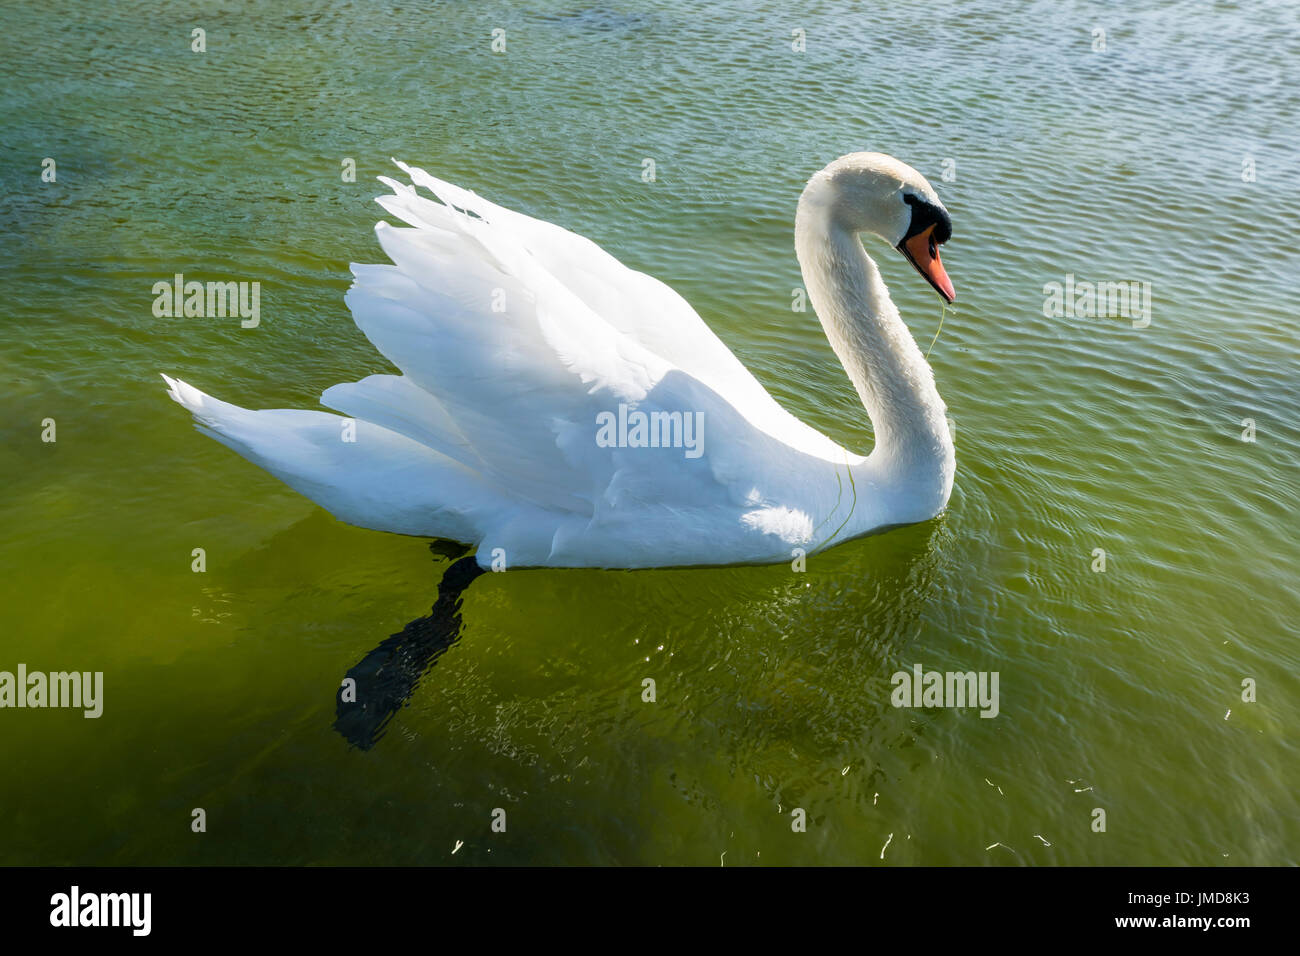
x: 1120, y: 690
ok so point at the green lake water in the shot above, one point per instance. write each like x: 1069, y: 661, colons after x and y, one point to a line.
x: 1120, y: 690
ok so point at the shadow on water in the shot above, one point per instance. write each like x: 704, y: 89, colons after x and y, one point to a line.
x: 381, y: 683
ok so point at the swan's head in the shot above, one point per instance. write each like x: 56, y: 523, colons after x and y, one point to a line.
x: 875, y: 193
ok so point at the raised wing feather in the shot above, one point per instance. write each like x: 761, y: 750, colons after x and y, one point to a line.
x: 647, y: 310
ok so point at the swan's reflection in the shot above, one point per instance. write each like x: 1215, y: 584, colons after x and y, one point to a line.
x: 383, y: 680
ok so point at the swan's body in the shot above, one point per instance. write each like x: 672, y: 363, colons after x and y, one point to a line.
x: 518, y: 342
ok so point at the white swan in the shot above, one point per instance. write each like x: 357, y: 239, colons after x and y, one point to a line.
x: 529, y: 357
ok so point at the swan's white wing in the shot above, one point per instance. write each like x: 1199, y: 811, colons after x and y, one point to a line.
x: 514, y: 384
x: 647, y: 310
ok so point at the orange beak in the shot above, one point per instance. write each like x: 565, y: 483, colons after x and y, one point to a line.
x: 923, y: 252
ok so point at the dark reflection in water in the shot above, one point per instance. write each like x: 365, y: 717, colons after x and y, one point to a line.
x: 386, y: 678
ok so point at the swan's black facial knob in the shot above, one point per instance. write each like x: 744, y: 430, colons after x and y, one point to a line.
x: 929, y: 228
x: 925, y: 214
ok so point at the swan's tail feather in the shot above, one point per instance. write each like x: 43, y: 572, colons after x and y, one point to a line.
x: 361, y: 472
x: 398, y: 404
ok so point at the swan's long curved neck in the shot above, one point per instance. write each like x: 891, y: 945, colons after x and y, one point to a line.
x: 876, y: 349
